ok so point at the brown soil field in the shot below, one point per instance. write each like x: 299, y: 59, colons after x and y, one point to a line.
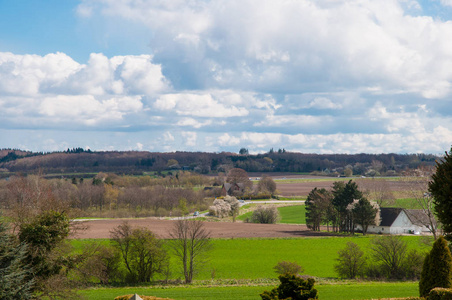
x: 100, y: 229
x: 303, y: 188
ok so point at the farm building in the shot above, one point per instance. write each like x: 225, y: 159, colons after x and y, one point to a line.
x: 232, y: 189
x: 399, y: 220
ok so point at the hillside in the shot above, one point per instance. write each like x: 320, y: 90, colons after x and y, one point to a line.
x: 137, y: 162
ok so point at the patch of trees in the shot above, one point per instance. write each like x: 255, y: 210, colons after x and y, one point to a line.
x: 388, y: 257
x: 105, y: 195
x: 343, y: 208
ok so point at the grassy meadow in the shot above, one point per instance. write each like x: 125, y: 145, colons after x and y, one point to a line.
x: 346, y: 291
x: 255, y: 258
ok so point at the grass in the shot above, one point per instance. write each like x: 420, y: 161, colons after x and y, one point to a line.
x: 352, y: 290
x: 295, y: 214
x: 255, y: 258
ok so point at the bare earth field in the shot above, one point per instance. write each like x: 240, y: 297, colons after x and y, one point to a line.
x: 303, y: 188
x: 100, y: 229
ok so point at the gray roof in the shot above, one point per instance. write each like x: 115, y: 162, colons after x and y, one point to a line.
x: 388, y: 215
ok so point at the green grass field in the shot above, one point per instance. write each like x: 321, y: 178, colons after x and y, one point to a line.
x: 353, y: 290
x: 295, y: 214
x: 255, y: 258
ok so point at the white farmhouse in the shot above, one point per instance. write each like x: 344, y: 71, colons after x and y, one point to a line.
x: 399, y: 221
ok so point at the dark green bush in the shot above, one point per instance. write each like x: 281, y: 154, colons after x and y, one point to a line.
x: 292, y: 287
x: 440, y: 294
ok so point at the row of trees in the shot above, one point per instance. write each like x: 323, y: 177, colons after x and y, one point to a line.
x: 387, y: 258
x: 343, y: 207
x: 79, y: 160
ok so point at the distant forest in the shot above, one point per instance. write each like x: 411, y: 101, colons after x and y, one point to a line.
x: 78, y: 160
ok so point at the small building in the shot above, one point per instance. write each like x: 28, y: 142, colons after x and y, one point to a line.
x: 399, y: 221
x: 232, y: 189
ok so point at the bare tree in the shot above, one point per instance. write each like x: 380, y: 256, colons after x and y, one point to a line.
x: 417, y: 182
x: 190, y: 244
x: 378, y: 190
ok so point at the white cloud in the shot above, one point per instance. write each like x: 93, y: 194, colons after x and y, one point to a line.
x: 289, y: 45
x: 87, y: 109
x: 32, y: 75
x: 190, y: 138
x: 227, y: 140
x: 193, y: 123
x: 199, y: 105
x: 324, y: 103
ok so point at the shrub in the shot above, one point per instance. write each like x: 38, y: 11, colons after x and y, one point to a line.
x: 351, y: 261
x: 265, y: 215
x: 440, y: 294
x: 292, y: 287
x: 437, y: 269
x: 290, y: 267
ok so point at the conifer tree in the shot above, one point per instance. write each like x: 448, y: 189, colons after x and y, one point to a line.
x: 441, y: 189
x: 437, y: 269
x: 14, y: 282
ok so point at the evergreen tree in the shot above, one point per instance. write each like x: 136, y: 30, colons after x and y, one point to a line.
x: 317, y: 204
x: 344, y: 194
x: 13, y: 270
x: 437, y: 269
x: 364, y: 214
x: 441, y: 189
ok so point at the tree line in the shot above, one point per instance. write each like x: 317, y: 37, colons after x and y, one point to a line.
x: 136, y: 162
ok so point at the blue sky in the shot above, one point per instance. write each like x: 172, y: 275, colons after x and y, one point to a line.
x: 321, y: 76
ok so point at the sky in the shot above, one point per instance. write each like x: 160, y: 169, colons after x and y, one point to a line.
x: 311, y: 76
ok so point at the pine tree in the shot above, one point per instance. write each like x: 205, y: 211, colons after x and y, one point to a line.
x: 437, y: 270
x: 13, y: 271
x: 441, y: 189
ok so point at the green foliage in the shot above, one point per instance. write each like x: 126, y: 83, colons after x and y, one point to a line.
x: 441, y: 189
x: 317, y: 205
x: 437, y: 269
x: 364, y: 214
x: 389, y: 252
x: 345, y: 194
x: 351, y: 261
x: 291, y: 267
x: 440, y: 294
x: 44, y: 235
x: 143, y: 254
x: 14, y: 272
x: 292, y: 287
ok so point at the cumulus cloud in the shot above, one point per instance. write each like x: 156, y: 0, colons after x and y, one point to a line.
x: 291, y: 45
x: 201, y: 105
x: 32, y: 75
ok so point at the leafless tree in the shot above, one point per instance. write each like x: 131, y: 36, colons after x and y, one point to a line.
x: 417, y: 183
x: 190, y: 244
x: 238, y: 175
x: 378, y: 190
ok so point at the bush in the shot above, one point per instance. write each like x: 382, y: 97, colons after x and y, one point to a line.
x: 437, y: 269
x: 265, y: 215
x: 351, y: 261
x: 290, y: 267
x: 292, y: 287
x: 440, y: 294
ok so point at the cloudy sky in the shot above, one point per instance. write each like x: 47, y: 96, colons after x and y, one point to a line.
x: 317, y: 76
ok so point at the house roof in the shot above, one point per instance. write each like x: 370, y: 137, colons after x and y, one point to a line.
x: 388, y: 215
x: 417, y: 216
